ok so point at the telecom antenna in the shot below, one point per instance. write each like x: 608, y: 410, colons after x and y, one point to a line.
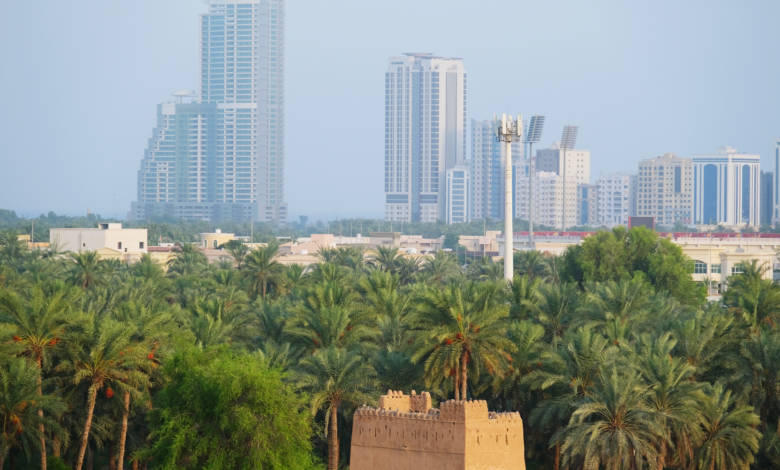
x: 506, y: 130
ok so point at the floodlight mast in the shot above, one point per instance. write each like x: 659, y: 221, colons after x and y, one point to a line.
x: 507, y: 129
x: 568, y: 141
x: 532, y: 136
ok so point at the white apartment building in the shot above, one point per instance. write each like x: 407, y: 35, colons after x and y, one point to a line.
x: 106, y: 236
x: 616, y: 199
x: 573, y: 166
x: 587, y: 205
x: 548, y: 200
x: 425, y: 134
x: 776, y: 185
x: 726, y: 188
x: 665, y: 189
x: 458, y: 183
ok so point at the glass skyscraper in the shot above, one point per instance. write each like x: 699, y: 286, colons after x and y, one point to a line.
x: 242, y: 86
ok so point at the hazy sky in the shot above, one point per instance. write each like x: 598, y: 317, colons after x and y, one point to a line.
x: 81, y: 79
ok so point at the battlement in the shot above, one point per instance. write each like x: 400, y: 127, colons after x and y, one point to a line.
x: 397, y: 400
x: 405, y: 432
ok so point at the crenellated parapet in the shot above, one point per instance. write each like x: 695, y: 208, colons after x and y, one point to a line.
x: 405, y: 432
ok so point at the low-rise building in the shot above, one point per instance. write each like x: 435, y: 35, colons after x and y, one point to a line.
x: 110, y: 240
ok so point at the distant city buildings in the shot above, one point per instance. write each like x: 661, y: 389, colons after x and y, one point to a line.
x: 573, y: 168
x: 221, y: 156
x: 109, y: 240
x: 726, y: 189
x: 587, y: 205
x: 776, y: 185
x: 425, y: 134
x: 766, y: 204
x: 616, y: 199
x: 665, y: 189
x: 487, y: 171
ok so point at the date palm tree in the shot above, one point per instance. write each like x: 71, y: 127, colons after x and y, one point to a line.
x: 104, y: 355
x: 384, y: 258
x: 755, y: 298
x: 334, y: 377
x: 38, y: 320
x: 261, y: 268
x: 613, y: 427
x: 20, y: 402
x: 88, y: 269
x: 463, y: 326
x: 730, y: 435
x: 441, y: 267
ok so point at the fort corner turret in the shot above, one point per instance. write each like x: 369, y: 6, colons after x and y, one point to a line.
x: 404, y: 432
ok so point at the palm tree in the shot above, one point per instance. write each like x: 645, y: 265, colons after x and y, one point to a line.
x: 673, y: 396
x: 105, y: 356
x: 216, y: 320
x: 261, y: 268
x: 755, y: 298
x: 38, y: 322
x: 88, y: 269
x: 730, y: 435
x: 334, y: 377
x: 238, y: 251
x: 462, y: 327
x: 330, y: 326
x: 613, y: 427
x: 524, y: 297
x: 20, y: 402
x: 440, y: 268
x: 390, y: 309
x: 531, y: 263
x: 384, y: 258
x: 188, y: 260
x: 554, y: 307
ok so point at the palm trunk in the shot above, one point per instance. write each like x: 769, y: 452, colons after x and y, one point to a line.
x: 91, y: 398
x: 662, y: 456
x: 456, y: 380
x: 135, y: 464
x: 265, y: 286
x: 55, y: 446
x: 123, y: 433
x: 40, y: 413
x: 464, y: 363
x: 557, y: 464
x: 333, y: 438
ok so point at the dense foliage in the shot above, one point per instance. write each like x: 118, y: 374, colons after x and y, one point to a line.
x: 609, y: 352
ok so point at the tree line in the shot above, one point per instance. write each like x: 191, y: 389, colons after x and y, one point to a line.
x: 610, y: 353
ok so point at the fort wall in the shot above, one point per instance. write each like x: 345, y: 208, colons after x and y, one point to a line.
x: 405, y: 433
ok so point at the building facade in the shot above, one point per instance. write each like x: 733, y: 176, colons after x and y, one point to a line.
x: 665, y: 189
x: 726, y: 189
x: 458, y: 183
x: 767, y: 193
x: 548, y: 200
x: 236, y: 126
x: 487, y: 170
x: 616, y: 199
x: 406, y: 432
x: 110, y: 240
x: 776, y: 186
x: 425, y: 134
x: 573, y: 167
x: 587, y: 205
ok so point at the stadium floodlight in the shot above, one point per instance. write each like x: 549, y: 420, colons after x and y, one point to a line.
x: 506, y: 130
x: 568, y: 141
x: 532, y: 135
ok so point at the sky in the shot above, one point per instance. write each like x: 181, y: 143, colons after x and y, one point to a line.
x: 81, y: 80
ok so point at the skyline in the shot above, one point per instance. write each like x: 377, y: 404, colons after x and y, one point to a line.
x: 90, y: 87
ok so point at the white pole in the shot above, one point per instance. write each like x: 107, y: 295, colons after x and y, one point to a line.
x: 531, y: 196
x: 508, y: 232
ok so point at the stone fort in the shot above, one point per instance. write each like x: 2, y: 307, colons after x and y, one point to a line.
x: 406, y: 433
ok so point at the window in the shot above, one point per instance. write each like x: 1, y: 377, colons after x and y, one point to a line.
x: 141, y: 245
x: 699, y: 267
x: 715, y: 269
x: 118, y: 245
x: 737, y: 269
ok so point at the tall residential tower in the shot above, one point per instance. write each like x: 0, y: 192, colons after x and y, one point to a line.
x: 425, y: 134
x: 242, y: 96
x: 726, y: 188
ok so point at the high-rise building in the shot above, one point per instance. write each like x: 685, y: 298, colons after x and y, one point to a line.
x: 776, y: 186
x: 242, y: 86
x: 458, y: 195
x: 726, y: 188
x: 616, y: 199
x: 587, y: 205
x: 573, y: 166
x: 425, y: 134
x: 766, y: 203
x: 487, y: 171
x: 548, y: 200
x: 665, y: 189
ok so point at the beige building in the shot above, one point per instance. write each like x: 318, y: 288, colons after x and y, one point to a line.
x: 406, y: 433
x: 665, y: 189
x: 573, y: 168
x: 110, y: 240
x: 215, y: 239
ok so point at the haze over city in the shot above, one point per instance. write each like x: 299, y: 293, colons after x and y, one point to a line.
x: 82, y: 80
